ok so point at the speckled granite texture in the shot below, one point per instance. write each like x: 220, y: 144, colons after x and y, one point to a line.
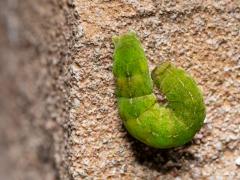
x: 89, y: 139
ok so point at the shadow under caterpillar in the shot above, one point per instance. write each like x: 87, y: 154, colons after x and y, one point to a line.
x: 157, y: 125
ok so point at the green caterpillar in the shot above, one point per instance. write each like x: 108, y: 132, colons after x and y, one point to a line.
x: 157, y: 125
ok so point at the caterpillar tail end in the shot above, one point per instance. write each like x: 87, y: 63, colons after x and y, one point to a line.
x: 115, y: 40
x: 132, y: 33
x: 160, y: 69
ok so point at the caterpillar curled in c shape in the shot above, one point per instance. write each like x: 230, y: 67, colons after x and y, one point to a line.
x: 157, y: 125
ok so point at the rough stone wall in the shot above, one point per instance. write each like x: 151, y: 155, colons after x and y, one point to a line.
x: 72, y: 95
x: 33, y: 104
